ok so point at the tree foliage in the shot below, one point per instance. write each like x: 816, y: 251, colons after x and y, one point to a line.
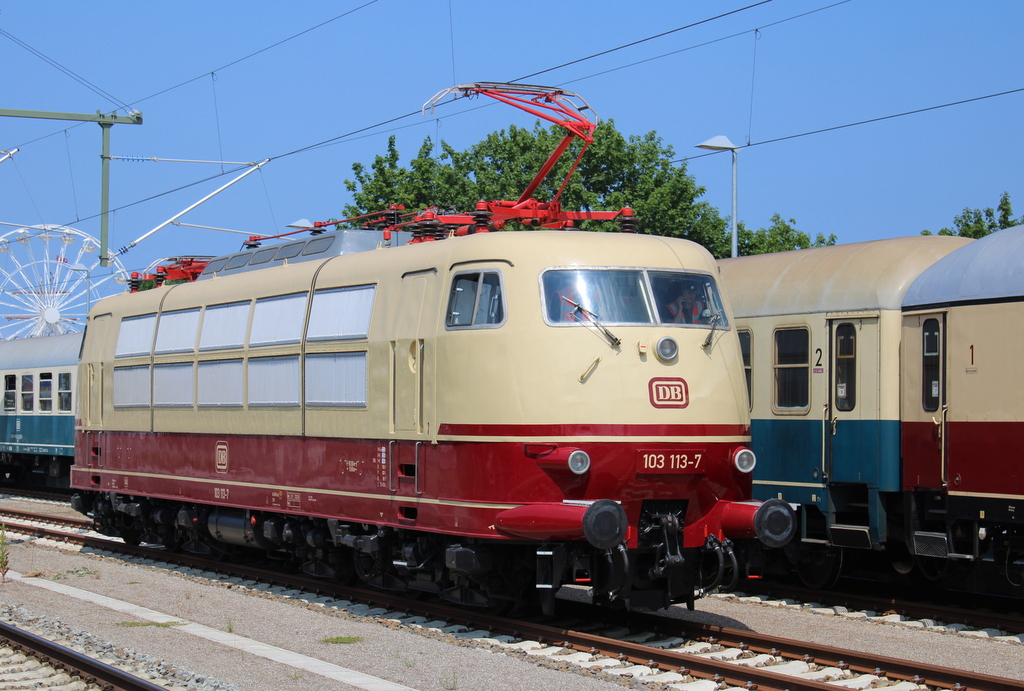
x: 977, y: 223
x: 616, y: 171
x: 778, y: 237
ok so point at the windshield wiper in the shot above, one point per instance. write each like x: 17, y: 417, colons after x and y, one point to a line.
x: 592, y: 320
x: 715, y: 318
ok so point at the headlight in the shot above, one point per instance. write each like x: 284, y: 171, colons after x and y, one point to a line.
x: 744, y: 460
x: 667, y: 349
x: 579, y: 462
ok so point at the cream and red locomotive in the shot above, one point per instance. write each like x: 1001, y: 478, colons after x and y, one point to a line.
x: 485, y: 418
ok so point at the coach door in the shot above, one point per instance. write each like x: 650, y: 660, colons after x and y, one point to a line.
x: 412, y: 371
x: 851, y: 431
x: 923, y: 400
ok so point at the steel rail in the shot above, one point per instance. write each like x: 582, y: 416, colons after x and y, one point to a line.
x: 91, y: 671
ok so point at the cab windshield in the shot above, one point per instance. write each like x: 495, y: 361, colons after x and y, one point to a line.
x: 632, y: 296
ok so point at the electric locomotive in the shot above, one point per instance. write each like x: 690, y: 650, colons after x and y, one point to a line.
x: 37, y: 423
x: 484, y: 418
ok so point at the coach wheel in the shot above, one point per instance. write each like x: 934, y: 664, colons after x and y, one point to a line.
x: 819, y: 567
x: 931, y: 569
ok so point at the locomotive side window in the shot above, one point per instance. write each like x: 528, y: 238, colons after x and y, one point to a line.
x: 274, y: 381
x: 476, y: 300
x: 846, y: 367
x: 45, y: 392
x: 237, y: 261
x: 931, y: 356
x: 224, y: 326
x: 64, y: 392
x: 792, y: 369
x: 136, y: 335
x: 27, y: 396
x: 131, y: 387
x: 278, y: 319
x: 10, y: 391
x: 177, y: 330
x: 341, y: 313
x: 745, y: 337
x: 336, y: 379
x: 220, y: 383
x: 172, y: 385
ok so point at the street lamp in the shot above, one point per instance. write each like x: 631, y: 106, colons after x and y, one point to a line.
x: 88, y: 287
x: 722, y: 143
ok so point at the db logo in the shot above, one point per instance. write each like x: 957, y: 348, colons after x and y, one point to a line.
x: 668, y: 393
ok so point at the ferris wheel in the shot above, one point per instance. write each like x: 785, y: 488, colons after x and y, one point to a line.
x: 49, y: 277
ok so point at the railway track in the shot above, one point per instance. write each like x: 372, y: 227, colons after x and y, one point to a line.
x: 647, y: 648
x: 28, y: 661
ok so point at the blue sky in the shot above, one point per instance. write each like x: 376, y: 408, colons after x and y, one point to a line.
x: 848, y: 62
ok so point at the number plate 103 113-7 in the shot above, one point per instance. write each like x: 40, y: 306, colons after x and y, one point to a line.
x: 673, y: 461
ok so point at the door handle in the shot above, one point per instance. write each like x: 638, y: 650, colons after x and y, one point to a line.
x: 835, y: 421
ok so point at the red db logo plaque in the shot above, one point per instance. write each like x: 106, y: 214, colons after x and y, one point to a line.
x: 668, y: 392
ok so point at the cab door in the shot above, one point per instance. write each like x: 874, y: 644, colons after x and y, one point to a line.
x: 412, y: 384
x: 923, y: 400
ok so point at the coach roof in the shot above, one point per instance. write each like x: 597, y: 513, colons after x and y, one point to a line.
x: 990, y: 268
x: 40, y: 352
x: 840, y: 278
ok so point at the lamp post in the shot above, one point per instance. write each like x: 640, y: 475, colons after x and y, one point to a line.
x: 722, y: 143
x: 78, y: 268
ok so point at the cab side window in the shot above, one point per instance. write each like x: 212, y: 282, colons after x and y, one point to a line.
x: 476, y: 300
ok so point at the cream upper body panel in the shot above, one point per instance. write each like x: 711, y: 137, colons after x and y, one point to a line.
x: 872, y: 275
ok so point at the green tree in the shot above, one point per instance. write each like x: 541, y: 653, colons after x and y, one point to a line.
x: 616, y: 171
x: 977, y: 223
x: 778, y: 237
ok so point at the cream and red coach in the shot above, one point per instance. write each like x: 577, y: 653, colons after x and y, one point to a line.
x: 442, y: 416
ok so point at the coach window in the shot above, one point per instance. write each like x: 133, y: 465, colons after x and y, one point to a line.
x: 792, y: 369
x: 745, y: 350
x: 27, y: 388
x: 45, y: 392
x: 64, y: 392
x: 476, y: 300
x: 846, y: 367
x: 10, y: 391
x: 930, y: 380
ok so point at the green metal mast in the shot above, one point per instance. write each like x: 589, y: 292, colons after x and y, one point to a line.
x: 105, y: 122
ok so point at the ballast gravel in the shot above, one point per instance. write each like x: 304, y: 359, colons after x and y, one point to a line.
x: 416, y: 658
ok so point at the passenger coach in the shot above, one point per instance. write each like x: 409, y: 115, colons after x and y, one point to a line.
x: 37, y: 424
x: 821, y: 333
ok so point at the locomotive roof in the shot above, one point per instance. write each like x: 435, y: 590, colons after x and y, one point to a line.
x: 540, y: 249
x: 989, y: 268
x: 43, y: 351
x: 840, y: 278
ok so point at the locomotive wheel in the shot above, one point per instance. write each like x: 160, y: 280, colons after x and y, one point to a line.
x: 819, y: 567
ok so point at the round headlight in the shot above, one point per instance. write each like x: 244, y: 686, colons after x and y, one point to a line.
x: 579, y: 462
x: 667, y: 349
x: 744, y: 460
